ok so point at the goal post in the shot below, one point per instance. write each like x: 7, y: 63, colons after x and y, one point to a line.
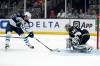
x: 98, y: 31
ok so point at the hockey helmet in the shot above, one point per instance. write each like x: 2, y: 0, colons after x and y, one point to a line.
x: 28, y: 14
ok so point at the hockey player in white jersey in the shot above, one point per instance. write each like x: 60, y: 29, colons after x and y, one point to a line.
x: 78, y: 38
x: 18, y: 24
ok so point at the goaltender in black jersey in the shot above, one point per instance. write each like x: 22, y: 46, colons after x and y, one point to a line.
x: 18, y: 24
x: 78, y: 38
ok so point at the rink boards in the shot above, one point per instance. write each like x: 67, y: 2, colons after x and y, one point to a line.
x: 55, y: 26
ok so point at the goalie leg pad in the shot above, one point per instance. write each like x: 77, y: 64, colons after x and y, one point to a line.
x: 68, y: 43
x: 80, y: 48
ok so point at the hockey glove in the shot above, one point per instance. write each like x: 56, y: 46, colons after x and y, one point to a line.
x: 31, y: 35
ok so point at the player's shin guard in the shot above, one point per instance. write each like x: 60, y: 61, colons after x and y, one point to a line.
x: 7, y: 43
x: 7, y: 40
x: 27, y: 43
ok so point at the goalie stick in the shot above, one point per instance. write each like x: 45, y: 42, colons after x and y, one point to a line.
x: 38, y: 41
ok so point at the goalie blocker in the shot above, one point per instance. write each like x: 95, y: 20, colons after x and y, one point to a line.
x: 77, y: 38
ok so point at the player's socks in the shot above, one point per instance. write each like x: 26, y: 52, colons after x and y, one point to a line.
x: 27, y: 43
x: 7, y: 43
x: 6, y: 46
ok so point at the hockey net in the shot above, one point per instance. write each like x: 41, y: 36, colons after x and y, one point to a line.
x: 95, y: 39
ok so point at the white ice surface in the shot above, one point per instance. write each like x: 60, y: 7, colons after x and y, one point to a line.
x: 20, y: 55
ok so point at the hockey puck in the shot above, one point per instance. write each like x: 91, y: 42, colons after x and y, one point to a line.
x: 58, y: 51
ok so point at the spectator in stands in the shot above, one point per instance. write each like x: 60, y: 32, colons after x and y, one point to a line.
x: 52, y: 14
x: 61, y: 14
x: 40, y: 3
x: 35, y: 4
x: 81, y: 14
x: 93, y: 12
x: 75, y: 13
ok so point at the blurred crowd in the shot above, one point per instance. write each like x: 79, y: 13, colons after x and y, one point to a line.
x: 55, y: 8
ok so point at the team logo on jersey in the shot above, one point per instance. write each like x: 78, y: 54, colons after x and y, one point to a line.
x: 76, y: 23
x: 3, y: 23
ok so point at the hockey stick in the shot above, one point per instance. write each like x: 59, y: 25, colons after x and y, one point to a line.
x: 12, y: 37
x: 45, y: 45
x: 38, y: 41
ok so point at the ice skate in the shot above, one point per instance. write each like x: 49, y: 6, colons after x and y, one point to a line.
x: 30, y: 46
x: 6, y: 46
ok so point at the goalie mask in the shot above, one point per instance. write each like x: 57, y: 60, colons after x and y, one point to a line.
x: 67, y: 26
